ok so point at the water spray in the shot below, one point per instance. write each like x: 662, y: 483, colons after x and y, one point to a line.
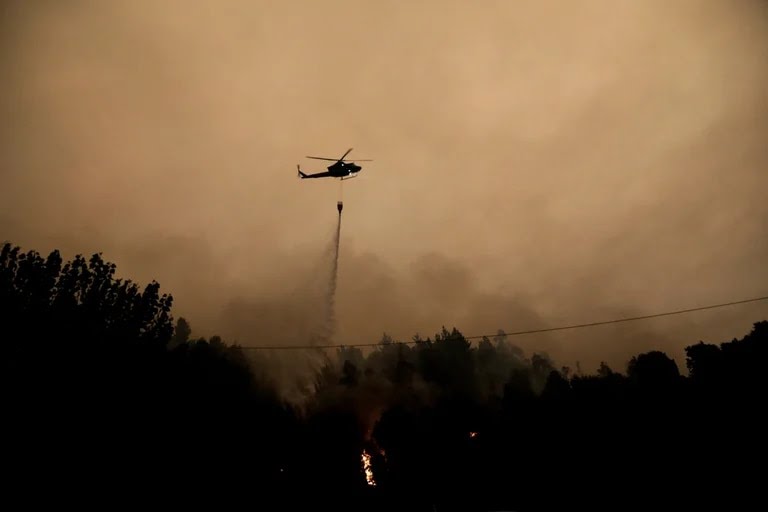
x: 331, y: 297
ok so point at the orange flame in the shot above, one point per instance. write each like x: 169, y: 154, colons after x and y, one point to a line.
x: 366, y: 459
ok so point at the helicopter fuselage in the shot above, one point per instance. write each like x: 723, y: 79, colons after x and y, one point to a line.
x: 342, y: 169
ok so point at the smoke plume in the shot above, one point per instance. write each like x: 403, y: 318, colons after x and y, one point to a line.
x: 533, y: 165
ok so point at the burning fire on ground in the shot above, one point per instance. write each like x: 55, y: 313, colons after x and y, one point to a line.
x: 366, y: 459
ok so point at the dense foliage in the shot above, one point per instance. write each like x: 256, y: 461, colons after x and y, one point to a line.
x: 106, y: 398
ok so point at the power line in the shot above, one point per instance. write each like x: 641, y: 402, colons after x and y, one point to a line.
x: 519, y: 333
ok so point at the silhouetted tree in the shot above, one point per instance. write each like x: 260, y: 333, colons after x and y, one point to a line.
x: 350, y: 374
x: 89, y: 375
x: 181, y: 332
x: 653, y: 372
x: 556, y: 388
x: 604, y: 370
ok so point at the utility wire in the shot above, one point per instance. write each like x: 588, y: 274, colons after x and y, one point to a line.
x: 517, y: 333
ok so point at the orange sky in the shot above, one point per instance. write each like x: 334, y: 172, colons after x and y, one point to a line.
x: 535, y: 162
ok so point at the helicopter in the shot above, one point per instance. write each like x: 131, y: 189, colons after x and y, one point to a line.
x: 342, y: 169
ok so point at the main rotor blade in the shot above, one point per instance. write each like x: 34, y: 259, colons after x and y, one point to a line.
x: 340, y: 159
x: 321, y: 158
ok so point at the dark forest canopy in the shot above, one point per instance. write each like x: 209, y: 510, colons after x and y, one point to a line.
x: 99, y: 384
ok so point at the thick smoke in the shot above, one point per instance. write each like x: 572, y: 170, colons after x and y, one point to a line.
x: 532, y: 166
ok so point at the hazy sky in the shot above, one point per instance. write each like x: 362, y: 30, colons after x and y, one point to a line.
x: 536, y: 162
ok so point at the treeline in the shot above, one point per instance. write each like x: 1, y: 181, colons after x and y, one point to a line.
x: 106, y: 396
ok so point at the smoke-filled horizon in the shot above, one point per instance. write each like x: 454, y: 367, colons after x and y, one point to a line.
x: 534, y: 164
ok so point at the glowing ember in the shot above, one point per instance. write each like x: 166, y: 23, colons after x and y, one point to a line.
x: 366, y: 458
x: 472, y: 434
